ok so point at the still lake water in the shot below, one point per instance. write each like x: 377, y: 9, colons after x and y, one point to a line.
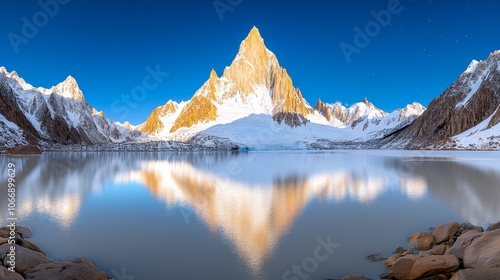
x: 246, y: 215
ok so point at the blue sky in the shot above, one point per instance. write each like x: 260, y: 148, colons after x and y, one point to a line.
x: 107, y: 46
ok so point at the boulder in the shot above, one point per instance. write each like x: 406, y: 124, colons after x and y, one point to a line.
x: 477, y: 274
x: 25, y: 258
x: 421, y: 241
x: 30, y: 245
x: 399, y: 250
x: 417, y: 266
x: 484, y: 251
x: 5, y: 274
x: 392, y: 259
x: 76, y: 269
x: 443, y: 232
x: 23, y: 231
x: 468, y: 226
x: 494, y: 227
x: 3, y: 240
x: 436, y: 250
x: 463, y: 241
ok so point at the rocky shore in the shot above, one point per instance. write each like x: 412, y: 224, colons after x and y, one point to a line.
x: 449, y: 251
x: 32, y: 263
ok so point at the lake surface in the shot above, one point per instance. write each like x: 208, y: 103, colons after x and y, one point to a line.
x: 249, y: 215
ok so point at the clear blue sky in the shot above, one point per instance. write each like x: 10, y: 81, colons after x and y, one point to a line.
x: 106, y: 46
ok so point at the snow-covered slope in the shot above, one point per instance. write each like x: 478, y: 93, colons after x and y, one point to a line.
x: 255, y: 104
x: 466, y: 115
x: 56, y: 115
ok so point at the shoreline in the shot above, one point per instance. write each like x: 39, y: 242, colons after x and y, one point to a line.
x: 26, y: 260
x: 449, y: 251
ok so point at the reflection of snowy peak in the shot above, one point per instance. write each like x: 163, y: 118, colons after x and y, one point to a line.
x: 56, y: 115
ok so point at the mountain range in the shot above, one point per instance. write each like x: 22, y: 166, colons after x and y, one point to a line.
x: 254, y: 104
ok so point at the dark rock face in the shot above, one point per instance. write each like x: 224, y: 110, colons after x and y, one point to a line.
x: 11, y: 111
x: 59, y: 115
x: 290, y: 118
x: 458, y: 108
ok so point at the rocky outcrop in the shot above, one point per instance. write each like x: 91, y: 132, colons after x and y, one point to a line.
x: 444, y: 232
x: 484, y: 251
x: 477, y: 274
x: 154, y: 123
x: 32, y: 263
x: 199, y: 110
x: 421, y: 241
x: 77, y: 269
x: 477, y: 250
x: 417, y: 266
x: 290, y: 118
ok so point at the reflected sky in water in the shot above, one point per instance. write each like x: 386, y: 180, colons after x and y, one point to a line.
x: 228, y: 215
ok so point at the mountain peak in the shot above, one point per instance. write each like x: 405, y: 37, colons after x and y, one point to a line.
x: 69, y: 89
x: 253, y: 46
x: 255, y: 33
x: 213, y: 74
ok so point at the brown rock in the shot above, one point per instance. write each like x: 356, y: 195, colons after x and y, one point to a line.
x: 468, y: 227
x: 416, y: 266
x: 477, y: 274
x: 23, y: 231
x: 3, y: 240
x: 30, y: 245
x: 5, y: 274
x: 25, y: 258
x: 421, y: 241
x: 399, y: 250
x: 494, y: 226
x: 463, y: 241
x: 76, y: 269
x: 436, y: 250
x: 392, y: 259
x: 484, y: 251
x: 443, y: 232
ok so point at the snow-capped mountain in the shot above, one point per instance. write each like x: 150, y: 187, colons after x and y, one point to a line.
x: 30, y: 115
x: 254, y: 83
x: 466, y: 115
x: 254, y: 103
